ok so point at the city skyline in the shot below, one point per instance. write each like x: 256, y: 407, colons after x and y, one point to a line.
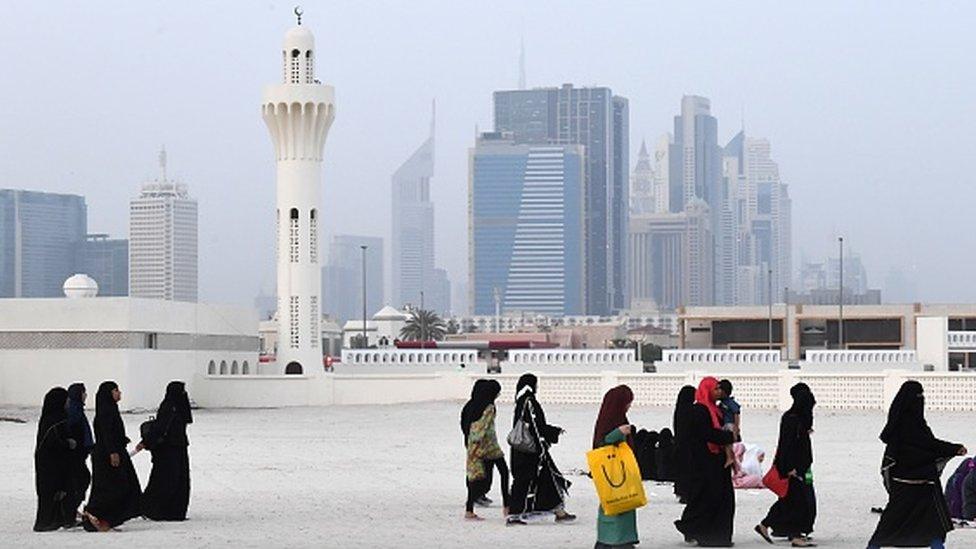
x: 806, y: 108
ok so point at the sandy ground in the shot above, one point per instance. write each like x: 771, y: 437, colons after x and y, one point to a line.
x: 393, y: 476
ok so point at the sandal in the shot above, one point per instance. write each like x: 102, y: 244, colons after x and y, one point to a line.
x: 763, y: 533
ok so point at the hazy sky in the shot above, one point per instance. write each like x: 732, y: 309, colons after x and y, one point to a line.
x: 869, y: 107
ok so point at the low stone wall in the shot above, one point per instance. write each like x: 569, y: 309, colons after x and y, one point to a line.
x: 768, y: 390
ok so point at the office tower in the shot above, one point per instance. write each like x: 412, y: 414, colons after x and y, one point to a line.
x: 342, y: 277
x: 39, y: 233
x: 761, y: 220
x: 437, y: 297
x: 599, y: 121
x: 412, y: 232
x: 695, y: 171
x: 106, y: 260
x: 298, y: 112
x: 662, y: 171
x: 163, y: 240
x: 527, y: 207
x: 667, y: 265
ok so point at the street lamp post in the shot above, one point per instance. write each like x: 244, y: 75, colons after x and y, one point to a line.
x: 786, y: 321
x: 840, y: 298
x: 365, y: 340
x: 769, y: 298
x: 423, y: 323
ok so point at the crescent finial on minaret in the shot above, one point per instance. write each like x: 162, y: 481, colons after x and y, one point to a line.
x: 298, y: 14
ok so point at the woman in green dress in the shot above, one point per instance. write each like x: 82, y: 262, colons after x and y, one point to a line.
x: 613, y: 427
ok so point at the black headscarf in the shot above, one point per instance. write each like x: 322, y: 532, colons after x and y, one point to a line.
x: 76, y: 414
x: 109, y: 427
x: 52, y: 412
x: 803, y: 403
x: 483, y: 394
x: 682, y: 408
x: 178, y: 401
x: 526, y: 380
x: 907, y: 412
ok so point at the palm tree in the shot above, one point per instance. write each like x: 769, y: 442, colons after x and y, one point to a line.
x: 423, y: 326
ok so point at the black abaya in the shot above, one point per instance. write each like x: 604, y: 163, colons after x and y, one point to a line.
x: 167, y: 495
x: 707, y: 483
x: 537, y: 484
x: 52, y: 479
x: 916, y: 512
x: 793, y: 515
x: 682, y: 455
x: 80, y: 431
x: 115, y: 492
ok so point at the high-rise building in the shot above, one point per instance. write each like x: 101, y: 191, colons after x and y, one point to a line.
x: 39, y: 233
x: 598, y: 120
x: 758, y: 241
x: 412, y: 232
x: 667, y: 267
x: 527, y: 207
x: 642, y: 199
x: 106, y: 260
x: 342, y: 277
x: 163, y: 240
x: 298, y: 112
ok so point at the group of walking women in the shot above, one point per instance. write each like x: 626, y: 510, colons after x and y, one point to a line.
x: 66, y: 441
x: 538, y: 487
x: 916, y: 515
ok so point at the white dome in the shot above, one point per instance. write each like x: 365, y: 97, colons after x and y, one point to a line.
x: 80, y: 285
x: 299, y: 38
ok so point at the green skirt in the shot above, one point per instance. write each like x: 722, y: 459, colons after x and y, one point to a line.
x: 617, y: 529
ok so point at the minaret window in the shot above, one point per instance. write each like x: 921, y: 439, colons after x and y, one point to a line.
x: 293, y: 321
x: 309, y: 77
x: 295, y: 70
x: 313, y: 238
x: 314, y: 313
x: 293, y: 236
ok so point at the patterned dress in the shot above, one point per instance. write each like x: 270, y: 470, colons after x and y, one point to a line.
x: 482, y: 444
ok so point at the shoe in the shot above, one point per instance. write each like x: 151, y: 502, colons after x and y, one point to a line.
x: 514, y: 521
x: 483, y: 502
x: 565, y: 517
x: 763, y: 533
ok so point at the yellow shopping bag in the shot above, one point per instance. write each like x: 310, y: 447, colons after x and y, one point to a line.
x: 617, y: 478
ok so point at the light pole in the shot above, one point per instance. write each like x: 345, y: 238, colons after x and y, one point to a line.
x: 769, y: 298
x: 786, y: 321
x: 365, y: 341
x: 840, y: 298
x: 423, y: 323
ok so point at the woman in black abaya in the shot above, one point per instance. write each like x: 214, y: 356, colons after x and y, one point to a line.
x: 80, y: 430
x: 115, y: 491
x: 792, y: 516
x: 52, y: 478
x: 167, y: 495
x: 707, y: 518
x: 917, y: 514
x: 537, y: 484
x: 682, y: 455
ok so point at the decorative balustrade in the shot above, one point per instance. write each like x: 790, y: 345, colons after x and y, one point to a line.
x: 597, y: 357
x: 880, y: 358
x: 399, y: 357
x: 720, y: 356
x: 962, y: 340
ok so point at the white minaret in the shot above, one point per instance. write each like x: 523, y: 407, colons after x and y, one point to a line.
x: 298, y: 112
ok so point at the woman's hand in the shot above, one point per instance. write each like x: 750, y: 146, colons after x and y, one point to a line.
x: 792, y: 473
x: 625, y: 429
x: 114, y: 460
x: 962, y: 450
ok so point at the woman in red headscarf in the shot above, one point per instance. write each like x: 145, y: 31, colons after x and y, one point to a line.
x: 613, y: 427
x: 707, y: 519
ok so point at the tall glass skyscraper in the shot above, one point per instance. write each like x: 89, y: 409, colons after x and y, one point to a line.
x: 106, y: 260
x: 599, y: 121
x: 39, y: 233
x: 527, y: 206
